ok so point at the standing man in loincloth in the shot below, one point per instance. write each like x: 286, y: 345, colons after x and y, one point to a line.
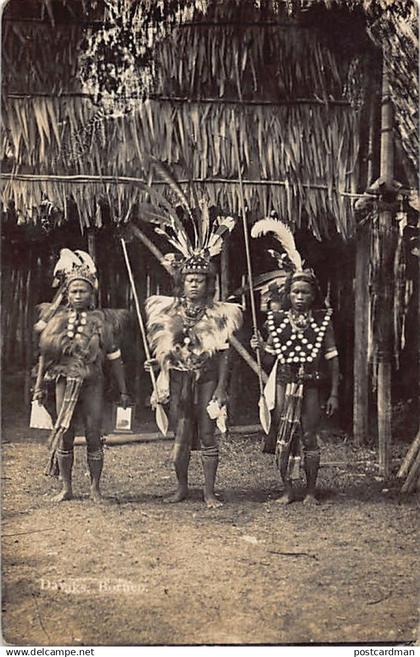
x: 189, y: 337
x: 75, y: 339
x: 299, y: 342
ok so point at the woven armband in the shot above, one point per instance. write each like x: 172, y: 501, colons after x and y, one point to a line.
x: 114, y: 355
x: 331, y: 353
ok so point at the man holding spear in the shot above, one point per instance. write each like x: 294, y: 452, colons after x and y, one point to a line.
x: 189, y: 335
x: 299, y: 342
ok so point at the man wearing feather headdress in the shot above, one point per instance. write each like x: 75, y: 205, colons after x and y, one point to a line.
x: 189, y: 336
x: 74, y: 341
x: 299, y: 340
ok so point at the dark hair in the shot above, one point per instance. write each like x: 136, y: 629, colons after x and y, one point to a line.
x: 284, y: 294
x: 179, y: 280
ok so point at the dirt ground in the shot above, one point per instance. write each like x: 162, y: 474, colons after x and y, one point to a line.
x: 138, y: 571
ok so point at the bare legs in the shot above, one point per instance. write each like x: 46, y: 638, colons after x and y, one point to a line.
x: 191, y: 419
x: 65, y: 465
x: 181, y: 459
x: 91, y: 402
x: 311, y: 457
x: 64, y: 452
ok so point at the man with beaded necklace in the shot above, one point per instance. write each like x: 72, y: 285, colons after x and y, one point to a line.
x: 189, y: 332
x: 189, y: 335
x: 299, y: 338
x: 74, y: 341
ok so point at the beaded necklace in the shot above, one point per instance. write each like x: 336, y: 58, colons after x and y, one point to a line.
x: 191, y: 314
x: 298, y: 338
x: 75, y: 323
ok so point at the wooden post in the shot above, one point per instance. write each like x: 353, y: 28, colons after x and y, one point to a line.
x: 91, y: 243
x: 224, y: 270
x: 361, y: 309
x: 386, y: 283
x: 361, y: 325
x: 91, y: 239
x: 27, y: 332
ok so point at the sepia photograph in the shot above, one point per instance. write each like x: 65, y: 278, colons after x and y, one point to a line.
x: 210, y: 346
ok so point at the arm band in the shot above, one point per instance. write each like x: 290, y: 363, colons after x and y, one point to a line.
x: 114, y: 355
x: 331, y: 353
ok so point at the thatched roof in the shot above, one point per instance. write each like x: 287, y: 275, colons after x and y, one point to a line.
x: 291, y: 94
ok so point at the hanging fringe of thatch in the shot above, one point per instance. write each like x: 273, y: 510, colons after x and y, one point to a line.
x: 26, y: 193
x: 37, y: 57
x: 311, y: 155
x: 271, y: 60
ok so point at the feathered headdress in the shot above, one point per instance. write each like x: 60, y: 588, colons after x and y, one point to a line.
x: 74, y: 266
x: 289, y: 262
x: 194, y: 247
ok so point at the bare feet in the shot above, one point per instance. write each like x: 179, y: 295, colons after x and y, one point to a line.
x: 63, y: 496
x: 311, y: 500
x: 286, y: 498
x: 96, y: 496
x: 211, y: 501
x: 180, y: 495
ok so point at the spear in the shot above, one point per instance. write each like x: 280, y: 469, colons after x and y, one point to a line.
x: 264, y: 413
x: 161, y: 419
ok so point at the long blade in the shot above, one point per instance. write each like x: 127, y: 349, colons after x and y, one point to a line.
x: 161, y: 419
x: 265, y: 417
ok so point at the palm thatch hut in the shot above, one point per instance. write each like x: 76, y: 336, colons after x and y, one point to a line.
x: 90, y: 91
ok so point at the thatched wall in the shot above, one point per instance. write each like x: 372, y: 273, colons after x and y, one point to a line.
x: 279, y: 84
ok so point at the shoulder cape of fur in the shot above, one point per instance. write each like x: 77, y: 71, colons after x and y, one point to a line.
x: 83, y: 357
x: 211, y: 333
x: 118, y: 318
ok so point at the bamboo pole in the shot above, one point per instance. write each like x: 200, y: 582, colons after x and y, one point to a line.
x: 224, y: 270
x: 410, y: 456
x: 147, y: 242
x: 386, y: 284
x: 247, y: 357
x: 85, y: 178
x: 27, y: 335
x: 91, y: 239
x: 361, y: 319
x: 361, y: 309
x: 412, y: 476
x: 198, y: 101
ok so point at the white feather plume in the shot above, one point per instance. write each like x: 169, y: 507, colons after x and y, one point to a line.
x: 66, y: 261
x: 86, y: 260
x: 283, y: 234
x: 70, y: 260
x: 218, y: 231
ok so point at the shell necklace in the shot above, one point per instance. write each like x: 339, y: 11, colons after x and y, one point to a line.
x: 75, y: 323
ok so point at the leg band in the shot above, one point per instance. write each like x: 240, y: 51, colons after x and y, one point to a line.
x: 293, y: 470
x: 65, y: 453
x: 210, y: 452
x: 310, y: 442
x: 97, y: 455
x: 312, y: 456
